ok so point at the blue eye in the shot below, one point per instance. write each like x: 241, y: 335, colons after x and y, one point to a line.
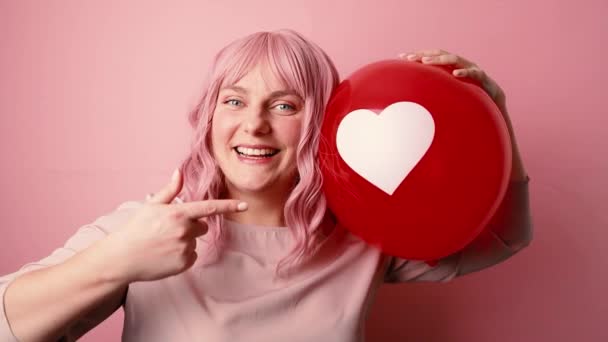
x: 285, y: 106
x: 233, y: 102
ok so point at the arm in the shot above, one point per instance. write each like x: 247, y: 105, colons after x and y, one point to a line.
x: 518, y: 174
x: 44, y: 304
x: 67, y: 293
x: 509, y: 230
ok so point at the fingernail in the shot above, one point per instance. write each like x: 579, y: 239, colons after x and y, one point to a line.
x: 175, y: 175
x: 411, y: 57
x: 242, y: 206
x: 459, y: 72
x: 427, y: 59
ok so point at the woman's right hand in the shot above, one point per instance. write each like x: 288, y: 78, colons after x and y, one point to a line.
x: 160, y: 239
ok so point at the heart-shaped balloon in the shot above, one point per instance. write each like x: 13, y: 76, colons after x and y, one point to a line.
x: 414, y: 160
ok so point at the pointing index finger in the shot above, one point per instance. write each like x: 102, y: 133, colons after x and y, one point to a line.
x: 198, y: 209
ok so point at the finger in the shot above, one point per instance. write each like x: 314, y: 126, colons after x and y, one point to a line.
x: 448, y: 59
x: 419, y: 54
x: 410, y: 56
x: 168, y: 193
x: 472, y: 72
x: 199, y: 209
x: 191, y: 260
x: 486, y: 82
x: 196, y: 228
x: 438, y: 56
x: 431, y: 52
x: 191, y: 246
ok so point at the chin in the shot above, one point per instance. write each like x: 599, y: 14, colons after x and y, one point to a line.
x: 253, y: 185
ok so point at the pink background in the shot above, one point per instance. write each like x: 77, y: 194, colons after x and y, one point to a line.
x: 93, y: 103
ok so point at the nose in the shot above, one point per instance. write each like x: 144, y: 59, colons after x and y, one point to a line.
x: 256, y: 122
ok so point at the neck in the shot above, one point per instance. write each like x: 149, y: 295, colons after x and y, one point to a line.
x: 265, y: 209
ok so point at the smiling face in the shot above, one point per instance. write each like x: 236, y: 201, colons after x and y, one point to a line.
x: 255, y: 131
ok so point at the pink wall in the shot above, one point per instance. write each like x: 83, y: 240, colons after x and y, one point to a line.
x: 94, y: 95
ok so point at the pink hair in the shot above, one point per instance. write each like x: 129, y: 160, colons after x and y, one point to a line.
x: 302, y: 66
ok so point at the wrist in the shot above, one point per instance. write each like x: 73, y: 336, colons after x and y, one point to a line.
x: 103, y: 258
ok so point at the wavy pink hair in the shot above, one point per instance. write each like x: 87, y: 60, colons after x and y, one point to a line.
x: 302, y: 66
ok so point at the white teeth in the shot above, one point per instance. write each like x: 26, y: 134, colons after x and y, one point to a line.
x: 255, y: 151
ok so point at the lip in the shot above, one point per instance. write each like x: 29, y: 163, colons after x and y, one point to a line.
x: 248, y: 160
x: 258, y: 146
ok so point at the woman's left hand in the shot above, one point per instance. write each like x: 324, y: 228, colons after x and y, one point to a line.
x: 464, y: 68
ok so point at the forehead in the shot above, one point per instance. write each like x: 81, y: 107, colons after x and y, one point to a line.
x: 259, y: 79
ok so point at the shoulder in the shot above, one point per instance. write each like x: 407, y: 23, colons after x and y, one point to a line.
x: 354, y: 248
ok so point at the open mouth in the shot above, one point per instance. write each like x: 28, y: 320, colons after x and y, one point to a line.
x: 256, y: 153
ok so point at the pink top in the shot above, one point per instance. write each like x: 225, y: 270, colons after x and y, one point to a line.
x: 236, y: 299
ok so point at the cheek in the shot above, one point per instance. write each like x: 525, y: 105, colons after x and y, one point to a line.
x: 291, y: 132
x: 214, y: 137
x: 220, y: 131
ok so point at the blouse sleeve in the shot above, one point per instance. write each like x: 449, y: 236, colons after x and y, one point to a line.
x: 509, y: 230
x: 83, y: 238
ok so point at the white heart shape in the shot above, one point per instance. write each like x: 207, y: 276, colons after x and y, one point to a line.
x: 383, y: 148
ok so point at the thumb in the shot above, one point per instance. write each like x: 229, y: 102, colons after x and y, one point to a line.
x: 169, y: 191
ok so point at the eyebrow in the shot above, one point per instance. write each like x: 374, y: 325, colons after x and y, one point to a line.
x: 277, y: 93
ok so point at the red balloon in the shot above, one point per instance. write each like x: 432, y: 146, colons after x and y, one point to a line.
x: 414, y: 160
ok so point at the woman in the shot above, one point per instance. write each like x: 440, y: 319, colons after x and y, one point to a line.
x: 248, y: 251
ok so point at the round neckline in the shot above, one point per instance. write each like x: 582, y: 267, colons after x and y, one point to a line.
x: 247, y: 228
x: 266, y: 244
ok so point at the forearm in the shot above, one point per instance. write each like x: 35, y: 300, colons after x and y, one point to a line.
x: 518, y: 173
x: 509, y: 230
x: 40, y: 305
